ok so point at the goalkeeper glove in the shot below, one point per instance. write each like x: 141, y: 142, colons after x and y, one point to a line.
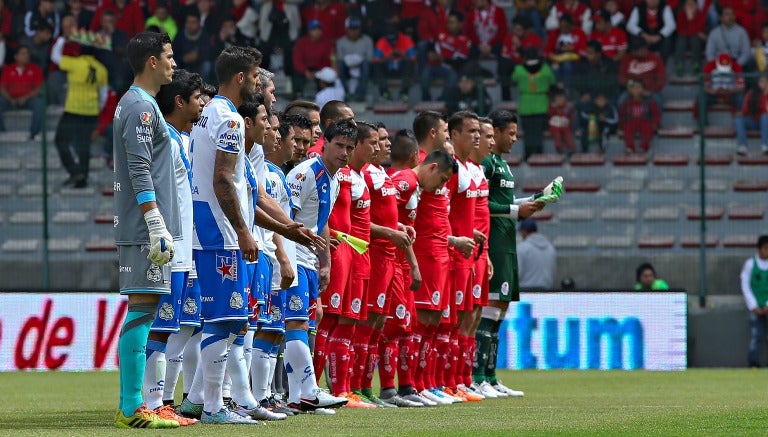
x: 161, y: 248
x: 552, y: 192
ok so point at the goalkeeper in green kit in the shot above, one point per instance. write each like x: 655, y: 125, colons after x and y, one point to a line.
x: 505, y: 210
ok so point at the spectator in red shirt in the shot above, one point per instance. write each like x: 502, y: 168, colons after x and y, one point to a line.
x: 723, y: 81
x: 330, y: 14
x: 534, y: 10
x: 753, y: 115
x: 411, y: 12
x: 311, y: 53
x: 564, y: 48
x: 653, y: 21
x: 486, y: 26
x: 450, y: 53
x: 612, y: 39
x: 646, y: 67
x: 432, y: 22
x: 691, y: 35
x: 638, y: 116
x: 20, y: 87
x: 394, y: 55
x: 513, y: 47
x: 560, y: 120
x: 128, y: 16
x: 579, y: 12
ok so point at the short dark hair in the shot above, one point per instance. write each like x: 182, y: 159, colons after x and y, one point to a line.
x: 184, y: 84
x: 143, y: 46
x: 501, y: 118
x: 485, y: 120
x: 365, y: 129
x: 762, y: 241
x: 404, y: 145
x: 341, y: 128
x: 234, y: 60
x: 566, y: 18
x: 250, y: 108
x: 301, y: 107
x: 456, y: 14
x: 298, y: 120
x: 331, y: 111
x: 643, y: 267
x: 380, y: 125
x: 425, y: 122
x: 595, y: 45
x: 285, y: 126
x: 456, y: 120
x: 209, y: 89
x: 443, y: 159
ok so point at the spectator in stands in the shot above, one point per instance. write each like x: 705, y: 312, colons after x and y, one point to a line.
x: 192, y: 47
x: 618, y: 15
x: 465, y: 96
x: 113, y: 56
x: 312, y: 53
x: 433, y: 22
x: 410, y: 13
x: 82, y: 16
x: 331, y: 15
x: 536, y: 258
x: 613, y: 40
x: 86, y: 93
x: 646, y: 279
x: 723, y: 81
x: 533, y: 78
x: 729, y: 37
x: 104, y: 126
x: 39, y: 44
x: 598, y: 119
x: 596, y: 73
x: 450, y: 54
x: 246, y: 20
x: 754, y: 287
x: 394, y: 55
x: 753, y: 116
x: 512, y: 48
x: 21, y: 85
x: 560, y: 123
x: 354, y: 54
x: 128, y: 16
x: 163, y: 20
x: 377, y: 17
x: 57, y: 79
x: 279, y: 29
x: 691, y: 35
x: 653, y: 21
x: 638, y: 116
x: 748, y: 13
x: 565, y: 46
x: 534, y: 11
x: 7, y: 35
x: 761, y: 50
x: 579, y: 12
x: 229, y: 35
x: 210, y: 18
x: 45, y: 12
x: 330, y: 87
x: 486, y: 26
x: 646, y: 67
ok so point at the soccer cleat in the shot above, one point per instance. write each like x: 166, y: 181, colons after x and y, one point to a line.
x: 323, y: 411
x: 276, y: 406
x: 501, y: 388
x: 415, y: 397
x: 399, y: 401
x: 440, y: 393
x: 438, y: 400
x: 227, y: 417
x: 322, y: 399
x: 484, y: 389
x: 143, y: 417
x: 168, y: 413
x: 467, y: 395
x: 452, y: 394
x: 355, y: 401
x: 379, y: 403
x: 260, y: 413
x: 190, y: 410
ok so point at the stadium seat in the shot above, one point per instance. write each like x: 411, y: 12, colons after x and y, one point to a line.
x: 544, y: 215
x: 390, y: 108
x: 26, y: 218
x: 513, y: 160
x: 54, y: 163
x: 613, y: 241
x: 438, y: 106
x: 679, y: 105
x: 576, y: 214
x: 78, y: 192
x: 694, y: 241
x: 510, y: 106
x: 101, y: 245
x: 33, y: 190
x: 719, y: 132
x: 666, y: 185
x: 632, y: 159
x: 6, y: 189
x: 746, y: 213
x: 104, y: 218
x: 662, y: 213
x: 10, y: 164
x: 571, y: 241
x: 108, y: 191
x: 587, y: 159
x: 21, y: 245
x: 676, y: 132
x: 671, y: 159
x: 546, y: 160
x: 719, y: 185
x: 743, y: 185
x: 534, y: 186
x: 70, y: 217
x: 582, y: 186
x: 716, y: 159
x: 619, y: 214
x: 753, y: 134
x: 753, y: 159
x: 711, y: 213
x: 740, y: 241
x: 70, y: 244
x: 683, y: 80
x: 656, y: 242
x: 624, y: 185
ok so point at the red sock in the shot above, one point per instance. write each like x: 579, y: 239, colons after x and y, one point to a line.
x: 373, y: 359
x: 454, y: 361
x: 388, y: 353
x: 469, y: 346
x: 442, y: 359
x: 360, y: 342
x: 406, y: 360
x: 423, y: 336
x: 339, y: 349
x: 430, y: 377
x: 349, y: 365
x: 321, y: 343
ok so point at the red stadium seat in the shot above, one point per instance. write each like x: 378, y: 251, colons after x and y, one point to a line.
x: 108, y: 191
x: 756, y: 159
x: 679, y: 105
x: 694, y: 241
x: 740, y: 241
x: 716, y: 159
x: 390, y: 108
x: 587, y: 159
x: 656, y: 242
x: 104, y: 218
x: 100, y: 245
x: 438, y: 106
x: 507, y: 106
x: 544, y: 215
x: 513, y: 160
x: 546, y: 160
x: 711, y: 213
x: 746, y: 213
x: 750, y: 185
x: 582, y: 186
x: 676, y: 132
x: 719, y: 132
x: 633, y: 159
x: 671, y: 159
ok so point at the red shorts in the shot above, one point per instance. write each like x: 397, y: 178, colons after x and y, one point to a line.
x: 353, y: 305
x: 341, y: 279
x: 433, y: 294
x: 481, y: 283
x: 382, y: 274
x: 398, y: 307
x: 461, y: 298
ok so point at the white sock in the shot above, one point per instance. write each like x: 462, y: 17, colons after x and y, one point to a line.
x: 298, y: 365
x: 154, y: 376
x: 247, y: 348
x: 174, y: 357
x: 260, y: 379
x: 240, y: 388
x: 191, y: 359
x: 213, y: 360
x: 272, y: 367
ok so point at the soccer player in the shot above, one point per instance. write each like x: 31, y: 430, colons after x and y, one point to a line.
x: 267, y: 89
x: 312, y: 112
x: 313, y: 191
x: 181, y: 105
x: 331, y: 112
x: 302, y: 132
x: 147, y: 216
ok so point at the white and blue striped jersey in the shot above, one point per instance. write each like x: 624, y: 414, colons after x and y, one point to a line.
x: 277, y: 188
x: 220, y: 128
x: 182, y: 259
x: 313, y: 192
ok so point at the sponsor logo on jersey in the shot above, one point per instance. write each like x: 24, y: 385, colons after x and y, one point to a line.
x: 227, y: 267
x: 335, y: 300
x: 387, y: 191
x: 115, y: 221
x: 125, y: 269
x: 190, y: 306
x: 145, y: 118
x: 236, y: 300
x: 356, y: 304
x: 400, y: 311
x: 446, y: 312
x: 233, y: 124
x: 165, y: 312
x: 381, y: 299
x: 503, y: 183
x: 435, y: 297
x: 294, y: 304
x: 277, y: 315
x: 505, y: 288
x: 154, y: 273
x: 363, y: 204
x: 319, y: 174
x: 301, y: 177
x: 476, y: 291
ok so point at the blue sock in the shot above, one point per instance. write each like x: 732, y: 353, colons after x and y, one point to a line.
x: 131, y: 348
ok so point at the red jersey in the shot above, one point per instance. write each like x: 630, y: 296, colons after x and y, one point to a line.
x: 20, y: 81
x: 463, y: 198
x: 412, y: 8
x: 577, y: 12
x: 432, y: 21
x: 432, y: 225
x: 317, y: 149
x: 129, y: 19
x: 613, y: 42
x: 512, y: 50
x: 407, y: 184
x: 453, y: 46
x: 482, y: 213
x: 331, y: 18
x: 486, y: 26
x: 691, y: 26
x: 649, y: 70
x: 340, y: 218
x: 725, y: 80
x: 361, y: 208
x: 383, y: 203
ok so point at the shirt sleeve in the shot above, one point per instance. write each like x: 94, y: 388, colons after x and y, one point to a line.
x: 746, y: 287
x: 141, y: 124
x: 226, y: 133
x: 299, y: 187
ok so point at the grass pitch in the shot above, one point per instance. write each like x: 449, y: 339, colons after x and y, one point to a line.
x: 610, y: 403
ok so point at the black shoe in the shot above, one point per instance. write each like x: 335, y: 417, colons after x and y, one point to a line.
x: 276, y: 406
x: 70, y: 182
x: 81, y: 183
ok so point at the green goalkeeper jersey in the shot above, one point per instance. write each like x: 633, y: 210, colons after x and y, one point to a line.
x: 501, y: 184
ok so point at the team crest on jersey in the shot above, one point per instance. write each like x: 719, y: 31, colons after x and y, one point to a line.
x: 236, y: 300
x: 190, y: 306
x: 446, y: 312
x: 294, y: 304
x: 459, y: 297
x: 227, y: 267
x: 435, y: 297
x: 277, y: 315
x: 476, y: 291
x: 400, y: 311
x: 335, y: 300
x: 301, y: 177
x: 145, y: 118
x: 356, y: 304
x: 505, y: 288
x: 381, y: 299
x: 233, y: 124
x: 403, y: 186
x: 154, y: 273
x: 407, y: 321
x: 165, y: 312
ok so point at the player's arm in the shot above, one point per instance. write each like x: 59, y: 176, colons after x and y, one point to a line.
x: 270, y: 215
x: 286, y: 270
x: 746, y: 288
x: 224, y: 188
x: 324, y: 258
x: 399, y: 238
x: 415, y: 272
x: 464, y: 245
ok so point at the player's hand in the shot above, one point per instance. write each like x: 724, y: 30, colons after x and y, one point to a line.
x: 161, y: 247
x: 399, y: 238
x: 479, y: 237
x: 527, y: 209
x: 490, y: 269
x: 304, y: 236
x: 415, y: 279
x: 248, y: 246
x: 464, y: 245
x: 411, y: 233
x: 334, y: 242
x: 287, y: 275
x: 323, y: 278
x: 552, y: 192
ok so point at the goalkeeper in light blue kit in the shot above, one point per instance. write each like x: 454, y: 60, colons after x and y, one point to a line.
x: 147, y: 216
